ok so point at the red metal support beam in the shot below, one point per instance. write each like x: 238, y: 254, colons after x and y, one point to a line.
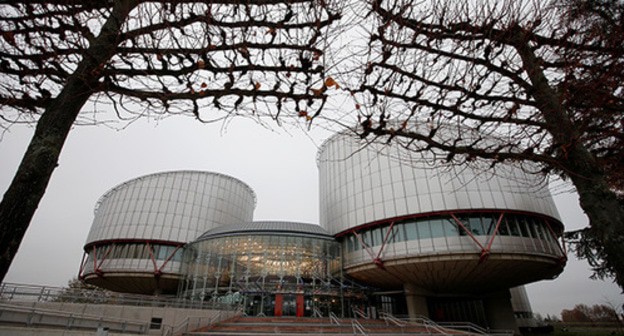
x: 364, y: 245
x: 468, y: 232
x: 376, y: 259
x: 169, y: 258
x: 151, y: 253
x: 82, y: 265
x: 98, y: 268
x: 486, y: 252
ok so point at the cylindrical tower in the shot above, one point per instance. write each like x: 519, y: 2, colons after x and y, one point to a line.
x: 408, y: 223
x: 140, y: 226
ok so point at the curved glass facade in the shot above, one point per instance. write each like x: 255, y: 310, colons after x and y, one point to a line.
x: 478, y: 224
x: 276, y: 273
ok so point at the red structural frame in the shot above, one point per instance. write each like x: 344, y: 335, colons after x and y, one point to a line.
x: 485, y: 250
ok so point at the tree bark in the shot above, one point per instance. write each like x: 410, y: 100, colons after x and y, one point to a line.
x: 600, y: 203
x: 22, y: 198
x: 602, y: 206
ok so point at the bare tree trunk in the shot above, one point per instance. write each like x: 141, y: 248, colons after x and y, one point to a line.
x: 600, y: 203
x: 602, y: 206
x: 31, y: 179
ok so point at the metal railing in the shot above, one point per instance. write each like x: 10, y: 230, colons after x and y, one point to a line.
x: 359, y: 312
x: 35, y: 317
x: 389, y: 318
x: 317, y: 312
x: 333, y: 319
x: 191, y: 323
x: 475, y: 329
x: 11, y: 292
x: 358, y: 329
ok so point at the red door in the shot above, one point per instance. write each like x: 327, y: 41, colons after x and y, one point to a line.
x: 300, y: 305
x: 279, y: 300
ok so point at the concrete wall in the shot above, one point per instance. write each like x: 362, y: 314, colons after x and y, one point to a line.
x: 113, y: 316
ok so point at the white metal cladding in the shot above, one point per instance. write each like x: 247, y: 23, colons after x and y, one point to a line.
x: 362, y: 183
x: 171, y: 206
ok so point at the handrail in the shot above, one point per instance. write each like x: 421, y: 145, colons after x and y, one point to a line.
x: 317, y: 312
x: 390, y: 318
x: 469, y: 326
x: 358, y: 328
x: 333, y: 318
x: 427, y: 323
x: 142, y: 326
x: 11, y: 292
x: 357, y: 311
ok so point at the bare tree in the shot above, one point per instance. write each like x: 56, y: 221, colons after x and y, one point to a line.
x: 595, y: 313
x: 207, y: 59
x: 508, y: 81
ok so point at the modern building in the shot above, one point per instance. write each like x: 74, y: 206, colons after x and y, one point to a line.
x: 449, y: 242
x: 141, y: 226
x: 398, y: 233
x: 272, y: 268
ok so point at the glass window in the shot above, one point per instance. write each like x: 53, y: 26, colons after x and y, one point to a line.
x: 164, y: 252
x: 356, y: 242
x: 503, y: 229
x: 424, y: 231
x: 398, y: 233
x: 541, y: 230
x: 450, y: 228
x: 437, y: 228
x: 376, y: 237
x: 523, y: 227
x: 531, y: 223
x: 548, y: 233
x: 178, y: 255
x: 410, y: 231
x: 513, y: 227
x: 366, y: 237
x: 462, y: 230
x: 489, y: 224
x: 474, y: 223
x: 131, y: 250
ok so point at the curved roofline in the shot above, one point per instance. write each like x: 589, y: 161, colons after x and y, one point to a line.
x: 123, y: 184
x: 331, y: 138
x: 248, y: 228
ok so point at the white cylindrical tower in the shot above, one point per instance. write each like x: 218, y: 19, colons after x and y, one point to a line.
x: 140, y: 226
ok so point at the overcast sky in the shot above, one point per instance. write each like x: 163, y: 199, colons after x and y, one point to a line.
x: 279, y: 165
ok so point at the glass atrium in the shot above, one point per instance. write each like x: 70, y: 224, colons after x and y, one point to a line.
x: 271, y: 268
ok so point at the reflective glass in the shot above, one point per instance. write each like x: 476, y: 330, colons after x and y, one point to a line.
x: 513, y: 226
x: 423, y: 229
x: 475, y: 226
x: 398, y: 233
x: 489, y: 224
x: 411, y: 232
x: 437, y: 228
x: 450, y: 228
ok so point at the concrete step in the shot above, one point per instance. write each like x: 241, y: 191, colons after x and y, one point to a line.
x: 291, y: 326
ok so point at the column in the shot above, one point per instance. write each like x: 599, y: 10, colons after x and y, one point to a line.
x: 416, y: 301
x: 499, y: 312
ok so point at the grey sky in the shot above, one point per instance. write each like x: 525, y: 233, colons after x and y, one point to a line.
x: 280, y: 166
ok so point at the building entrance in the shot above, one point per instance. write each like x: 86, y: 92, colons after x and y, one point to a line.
x: 289, y: 305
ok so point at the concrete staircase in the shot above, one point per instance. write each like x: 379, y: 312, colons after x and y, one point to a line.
x: 306, y: 326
